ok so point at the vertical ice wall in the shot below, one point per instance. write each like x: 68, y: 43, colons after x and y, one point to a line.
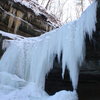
x: 32, y: 58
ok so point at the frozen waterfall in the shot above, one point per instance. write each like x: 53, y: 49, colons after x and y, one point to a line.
x: 30, y: 59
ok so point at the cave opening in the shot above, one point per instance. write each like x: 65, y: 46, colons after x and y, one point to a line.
x: 88, y: 85
x: 54, y: 81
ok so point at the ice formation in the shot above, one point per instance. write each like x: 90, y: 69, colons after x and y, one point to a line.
x: 30, y: 59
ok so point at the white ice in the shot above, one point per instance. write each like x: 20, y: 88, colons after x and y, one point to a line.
x: 10, y: 35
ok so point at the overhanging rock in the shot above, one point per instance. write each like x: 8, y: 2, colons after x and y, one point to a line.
x: 17, y: 18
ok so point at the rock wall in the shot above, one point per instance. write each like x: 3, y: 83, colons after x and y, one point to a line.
x: 92, y: 59
x: 93, y: 46
x: 19, y: 19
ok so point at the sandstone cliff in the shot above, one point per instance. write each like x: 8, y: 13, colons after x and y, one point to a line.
x: 20, y: 19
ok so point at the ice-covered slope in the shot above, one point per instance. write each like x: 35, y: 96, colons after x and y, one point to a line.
x: 30, y: 59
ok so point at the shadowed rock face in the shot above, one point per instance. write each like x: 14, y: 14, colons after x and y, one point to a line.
x: 88, y: 86
x: 1, y: 51
x: 93, y: 46
x: 17, y: 18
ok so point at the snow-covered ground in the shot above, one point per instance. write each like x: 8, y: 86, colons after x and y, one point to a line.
x: 26, y: 61
x: 15, y: 88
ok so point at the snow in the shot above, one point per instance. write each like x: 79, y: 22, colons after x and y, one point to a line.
x: 32, y: 4
x: 13, y: 89
x: 29, y: 5
x: 39, y: 10
x: 6, y: 43
x: 10, y: 35
x: 32, y: 92
x: 28, y: 60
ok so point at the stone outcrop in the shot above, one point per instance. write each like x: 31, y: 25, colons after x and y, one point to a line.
x: 19, y: 19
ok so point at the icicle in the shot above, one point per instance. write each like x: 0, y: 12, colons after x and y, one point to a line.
x: 11, y: 18
x: 18, y: 21
x: 89, y: 18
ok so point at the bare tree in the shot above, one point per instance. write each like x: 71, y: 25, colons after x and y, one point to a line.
x: 47, y: 4
x: 90, y: 1
x: 82, y: 8
x: 63, y: 8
